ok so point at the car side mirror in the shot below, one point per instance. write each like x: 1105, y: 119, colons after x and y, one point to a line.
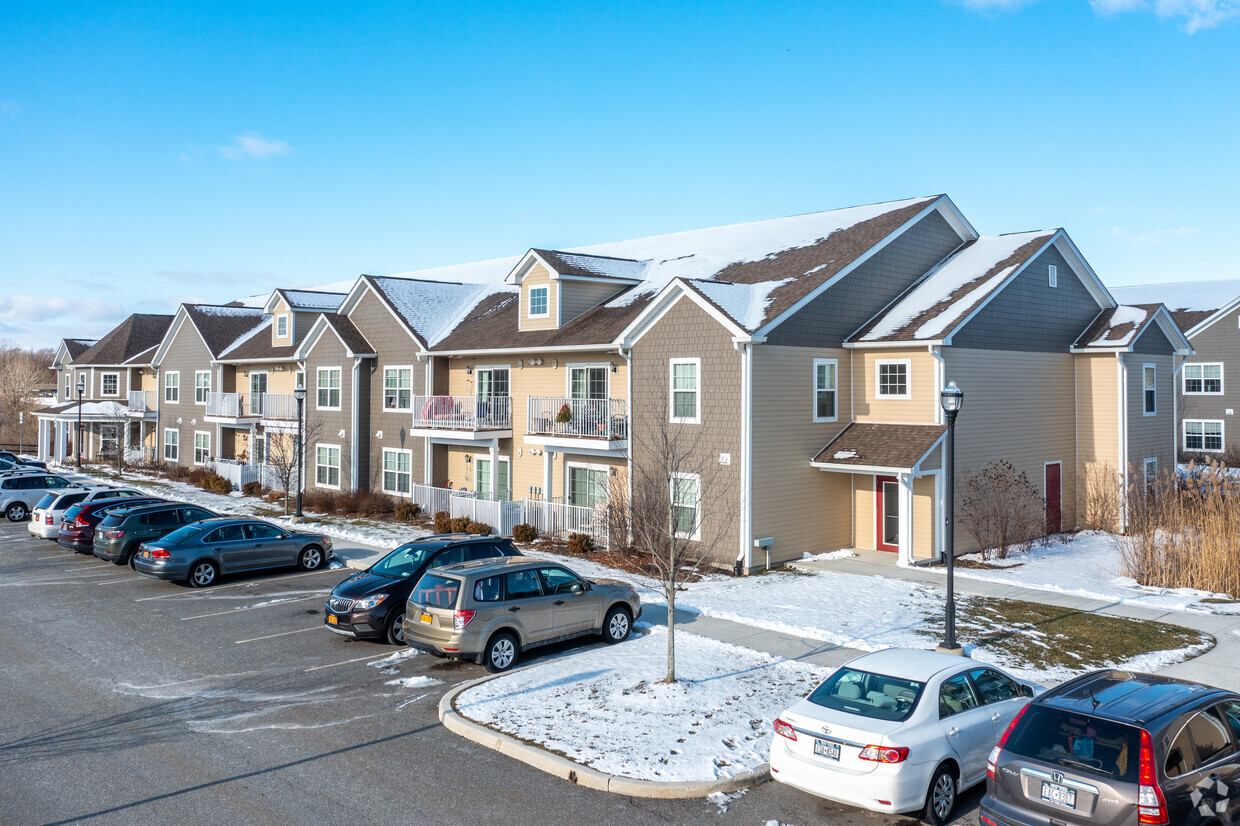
x: 1026, y: 690
x: 577, y: 588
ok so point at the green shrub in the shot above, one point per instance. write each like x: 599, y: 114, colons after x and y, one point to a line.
x: 524, y: 532
x: 407, y: 511
x: 460, y: 524
x: 443, y: 522
x: 580, y: 543
x: 480, y: 528
x: 252, y: 489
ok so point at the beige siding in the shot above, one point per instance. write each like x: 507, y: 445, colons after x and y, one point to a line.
x: 1017, y: 406
x: 864, y: 503
x: 538, y: 276
x: 282, y: 309
x: 924, y: 523
x: 806, y: 510
x: 919, y: 408
x: 1150, y: 437
x: 1097, y: 415
x: 576, y: 297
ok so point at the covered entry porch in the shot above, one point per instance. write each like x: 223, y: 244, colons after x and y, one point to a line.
x: 895, y: 484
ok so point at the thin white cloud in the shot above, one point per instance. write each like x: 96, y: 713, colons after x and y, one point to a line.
x: 254, y: 145
x: 1155, y: 238
x: 228, y: 278
x: 44, y: 307
x: 1193, y: 15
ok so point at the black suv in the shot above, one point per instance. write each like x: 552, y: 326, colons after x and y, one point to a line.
x: 120, y: 533
x: 1116, y: 747
x: 371, y: 603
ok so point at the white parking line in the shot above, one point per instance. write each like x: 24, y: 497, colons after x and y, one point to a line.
x: 252, y: 607
x: 346, y: 662
x: 282, y: 634
x: 252, y: 582
x: 130, y: 578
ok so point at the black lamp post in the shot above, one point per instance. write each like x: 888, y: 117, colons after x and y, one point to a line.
x: 952, y: 399
x: 81, y: 388
x: 299, y: 393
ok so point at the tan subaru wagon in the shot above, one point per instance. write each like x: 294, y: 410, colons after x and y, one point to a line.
x: 491, y: 610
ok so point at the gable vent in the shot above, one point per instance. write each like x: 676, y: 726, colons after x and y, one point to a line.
x: 1053, y: 275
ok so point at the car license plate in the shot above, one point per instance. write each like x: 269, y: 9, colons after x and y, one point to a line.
x: 1059, y: 795
x: 426, y: 618
x: 827, y: 749
x: 331, y: 620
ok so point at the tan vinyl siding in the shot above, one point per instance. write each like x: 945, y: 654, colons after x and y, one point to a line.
x: 806, y: 510
x: 919, y: 409
x: 282, y: 309
x: 1097, y: 384
x: 864, y: 502
x: 924, y: 523
x: 1150, y: 437
x: 538, y: 276
x: 576, y: 297
x: 1017, y: 406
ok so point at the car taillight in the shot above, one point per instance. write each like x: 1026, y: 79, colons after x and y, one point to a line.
x: 993, y: 760
x: 1151, y: 805
x: 47, y: 518
x: 784, y: 730
x: 461, y: 618
x: 114, y: 534
x: 81, y: 521
x: 159, y: 553
x: 884, y: 754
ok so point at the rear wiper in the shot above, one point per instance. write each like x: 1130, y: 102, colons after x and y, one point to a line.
x: 1081, y: 764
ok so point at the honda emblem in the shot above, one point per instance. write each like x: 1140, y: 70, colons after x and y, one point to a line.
x: 1057, y: 777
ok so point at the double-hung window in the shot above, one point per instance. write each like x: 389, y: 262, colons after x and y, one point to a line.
x: 685, y: 378
x: 329, y: 388
x: 397, y: 473
x: 587, y: 486
x: 892, y: 378
x: 539, y: 304
x: 327, y: 466
x: 398, y: 388
x: 172, y: 445
x: 825, y: 387
x: 1205, y: 379
x: 202, y: 447
x: 686, y: 498
x: 1203, y: 434
x: 1149, y: 388
x: 281, y: 326
x: 172, y: 387
x: 110, y: 384
x: 202, y: 386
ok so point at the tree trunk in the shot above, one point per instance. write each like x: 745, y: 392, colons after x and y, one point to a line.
x: 671, y: 633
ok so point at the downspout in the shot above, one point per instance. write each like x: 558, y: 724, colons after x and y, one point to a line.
x: 744, y: 555
x: 356, y: 415
x: 1122, y: 383
x: 627, y: 354
x: 940, y: 376
x: 1175, y: 411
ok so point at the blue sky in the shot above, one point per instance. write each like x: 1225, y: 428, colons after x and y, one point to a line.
x: 202, y: 151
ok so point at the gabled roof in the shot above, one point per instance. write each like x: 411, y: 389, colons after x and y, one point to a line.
x: 1118, y: 328
x: 256, y: 346
x: 427, y: 309
x: 134, y: 335
x: 879, y: 446
x: 938, y: 304
x: 348, y: 334
x: 1195, y: 305
x: 579, y: 265
x: 312, y: 300
x: 222, y: 328
x: 76, y: 346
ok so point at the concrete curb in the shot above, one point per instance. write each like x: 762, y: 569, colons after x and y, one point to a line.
x: 576, y: 773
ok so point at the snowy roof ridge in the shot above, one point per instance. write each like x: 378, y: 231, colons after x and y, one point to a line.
x: 264, y: 324
x: 308, y: 299
x: 1205, y: 295
x: 745, y: 304
x: 1117, y: 326
x: 432, y: 309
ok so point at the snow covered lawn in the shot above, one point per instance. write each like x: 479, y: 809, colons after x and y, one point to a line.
x: 604, y: 706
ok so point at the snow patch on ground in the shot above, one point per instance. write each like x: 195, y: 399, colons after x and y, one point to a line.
x: 723, y: 800
x: 843, y: 553
x: 415, y: 682
x: 394, y: 659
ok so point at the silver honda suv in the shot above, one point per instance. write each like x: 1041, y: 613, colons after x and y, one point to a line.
x: 1115, y: 747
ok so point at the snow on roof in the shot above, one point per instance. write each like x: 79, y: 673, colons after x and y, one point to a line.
x: 599, y: 265
x: 1120, y: 329
x: 963, y: 279
x: 264, y: 323
x: 1182, y: 296
x: 432, y: 308
x: 229, y: 312
x: 313, y: 299
x: 746, y: 303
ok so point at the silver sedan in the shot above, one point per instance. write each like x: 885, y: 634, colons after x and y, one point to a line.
x: 201, y: 552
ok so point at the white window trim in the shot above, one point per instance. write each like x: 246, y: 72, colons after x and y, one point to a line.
x: 319, y: 384
x: 1222, y: 429
x: 167, y: 376
x: 103, y: 377
x: 299, y: 379
x: 383, y: 472
x: 398, y: 408
x: 1052, y: 275
x: 1147, y: 478
x: 283, y: 317
x: 486, y: 457
x: 531, y: 312
x: 338, y: 466
x: 815, y: 390
x: 908, y: 380
x: 1222, y: 376
x: 606, y: 469
x: 1144, y: 389
x: 198, y: 433
x: 176, y: 446
x: 697, y: 506
x: 206, y: 391
x: 696, y: 418
x: 581, y: 365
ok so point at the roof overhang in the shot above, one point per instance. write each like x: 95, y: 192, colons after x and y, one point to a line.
x: 320, y: 326
x: 664, y: 300
x: 913, y: 458
x: 1180, y: 344
x: 175, y: 327
x: 527, y: 262
x: 358, y: 292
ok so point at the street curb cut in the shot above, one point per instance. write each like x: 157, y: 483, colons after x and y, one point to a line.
x: 576, y: 773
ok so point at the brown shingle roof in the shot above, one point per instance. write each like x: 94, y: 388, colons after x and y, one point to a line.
x: 1117, y: 326
x: 593, y: 266
x: 1188, y: 319
x: 139, y: 332
x: 221, y: 327
x: 76, y: 346
x: 896, y: 446
x: 349, y: 334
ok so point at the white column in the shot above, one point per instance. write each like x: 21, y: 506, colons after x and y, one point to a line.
x: 494, y: 468
x: 42, y: 449
x: 546, y: 456
x: 906, y: 519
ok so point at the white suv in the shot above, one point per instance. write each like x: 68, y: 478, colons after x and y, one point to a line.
x: 47, y: 513
x: 19, y: 494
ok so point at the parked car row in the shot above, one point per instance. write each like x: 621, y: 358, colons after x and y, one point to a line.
x: 906, y: 731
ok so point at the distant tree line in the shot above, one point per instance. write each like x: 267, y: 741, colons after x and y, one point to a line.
x: 23, y: 373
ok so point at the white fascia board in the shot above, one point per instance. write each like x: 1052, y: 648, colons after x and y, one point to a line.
x: 518, y: 272
x: 1088, y: 350
x: 1210, y: 321
x: 964, y: 322
x: 311, y: 338
x: 273, y: 300
x: 832, y: 467
x: 1172, y: 331
x: 62, y: 353
x: 355, y: 294
x: 893, y: 345
x: 602, y: 279
x: 939, y: 204
x: 173, y: 329
x: 917, y: 471
x: 1078, y: 263
x: 601, y: 347
x: 667, y: 298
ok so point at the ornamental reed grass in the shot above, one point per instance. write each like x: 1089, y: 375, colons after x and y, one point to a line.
x: 1184, y: 531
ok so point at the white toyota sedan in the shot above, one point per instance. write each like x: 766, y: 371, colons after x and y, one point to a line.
x: 899, y: 730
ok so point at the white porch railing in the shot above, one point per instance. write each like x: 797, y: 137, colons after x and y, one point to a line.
x: 279, y: 406
x: 137, y: 455
x: 463, y: 412
x: 559, y: 520
x: 227, y: 405
x: 241, y: 473
x: 587, y: 418
x: 551, y: 518
x: 141, y: 401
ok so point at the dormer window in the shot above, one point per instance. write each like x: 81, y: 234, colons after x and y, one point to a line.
x: 538, y: 302
x: 281, y: 326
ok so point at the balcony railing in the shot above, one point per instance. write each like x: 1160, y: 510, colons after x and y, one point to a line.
x: 141, y: 401
x: 279, y: 406
x: 585, y: 418
x: 462, y: 412
x: 227, y: 405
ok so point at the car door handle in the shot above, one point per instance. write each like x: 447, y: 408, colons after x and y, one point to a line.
x: 953, y: 731
x: 515, y: 608
x: 558, y: 602
x: 995, y: 717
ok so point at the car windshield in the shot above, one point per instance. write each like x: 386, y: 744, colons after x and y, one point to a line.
x: 876, y: 696
x: 48, y: 499
x: 436, y: 590
x: 1076, y: 741
x: 403, y: 562
x: 181, y: 535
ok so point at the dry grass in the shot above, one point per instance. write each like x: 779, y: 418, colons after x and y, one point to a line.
x: 1102, y: 497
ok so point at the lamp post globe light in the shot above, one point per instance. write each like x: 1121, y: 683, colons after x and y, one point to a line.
x: 299, y: 393
x: 81, y: 388
x: 952, y: 399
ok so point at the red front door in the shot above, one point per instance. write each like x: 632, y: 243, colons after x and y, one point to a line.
x: 1054, y: 514
x: 887, y: 512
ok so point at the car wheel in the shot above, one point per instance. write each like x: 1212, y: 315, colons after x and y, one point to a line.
x: 203, y: 573
x: 132, y: 560
x: 501, y: 653
x: 311, y: 558
x: 940, y: 797
x: 617, y: 624
x: 395, y: 629
x: 17, y: 511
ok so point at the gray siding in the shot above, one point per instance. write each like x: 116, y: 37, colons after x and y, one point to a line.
x: 186, y: 354
x: 325, y: 426
x: 842, y: 309
x: 578, y: 296
x: 1153, y: 342
x: 1031, y: 315
x: 1149, y: 437
x: 1217, y: 344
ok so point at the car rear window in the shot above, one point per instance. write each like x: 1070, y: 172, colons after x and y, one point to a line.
x: 182, y: 534
x: 69, y: 499
x: 112, y: 520
x: 439, y: 591
x: 868, y: 695
x: 72, y: 513
x: 48, y: 499
x: 1078, y: 742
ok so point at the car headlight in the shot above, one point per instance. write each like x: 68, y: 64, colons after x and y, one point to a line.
x: 369, y: 602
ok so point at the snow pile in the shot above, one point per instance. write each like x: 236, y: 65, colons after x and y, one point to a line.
x: 414, y: 682
x: 1133, y: 318
x: 605, y: 707
x: 843, y: 553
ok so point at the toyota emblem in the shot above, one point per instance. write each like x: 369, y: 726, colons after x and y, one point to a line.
x: 826, y: 729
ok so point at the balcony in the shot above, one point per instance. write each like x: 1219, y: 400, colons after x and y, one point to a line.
x: 229, y: 408
x: 595, y: 424
x: 464, y: 418
x: 141, y: 403
x: 279, y: 406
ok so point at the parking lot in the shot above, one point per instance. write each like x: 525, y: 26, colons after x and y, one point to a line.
x: 129, y: 700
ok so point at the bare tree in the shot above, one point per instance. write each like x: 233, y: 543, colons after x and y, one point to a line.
x: 113, y: 425
x: 282, y: 450
x: 22, y: 372
x: 670, y: 508
x: 1001, y: 509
